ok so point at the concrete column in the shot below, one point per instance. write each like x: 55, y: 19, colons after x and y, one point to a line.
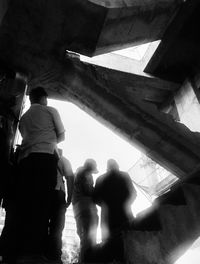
x: 12, y: 88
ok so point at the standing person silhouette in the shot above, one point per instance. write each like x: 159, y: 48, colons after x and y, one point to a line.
x: 114, y: 193
x: 41, y: 129
x: 85, y: 210
x: 60, y: 202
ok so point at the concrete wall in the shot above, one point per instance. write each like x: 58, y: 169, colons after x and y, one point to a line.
x: 188, y: 106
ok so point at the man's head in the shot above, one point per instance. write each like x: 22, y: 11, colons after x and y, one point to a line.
x: 91, y: 165
x: 112, y: 165
x: 38, y: 95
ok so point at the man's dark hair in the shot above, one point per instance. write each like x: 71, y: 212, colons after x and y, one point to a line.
x: 36, y: 93
x: 91, y: 165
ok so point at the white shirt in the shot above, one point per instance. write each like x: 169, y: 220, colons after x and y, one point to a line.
x: 39, y: 128
x: 64, y: 170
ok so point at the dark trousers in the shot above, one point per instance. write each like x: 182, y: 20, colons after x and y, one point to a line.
x: 35, y: 185
x: 56, y: 225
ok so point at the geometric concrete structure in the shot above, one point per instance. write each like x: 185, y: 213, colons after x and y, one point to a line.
x: 33, y: 40
x: 37, y: 39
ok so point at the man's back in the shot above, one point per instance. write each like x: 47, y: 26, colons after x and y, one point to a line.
x: 83, y: 186
x: 38, y: 124
x: 39, y: 127
x: 115, y: 193
x: 116, y: 188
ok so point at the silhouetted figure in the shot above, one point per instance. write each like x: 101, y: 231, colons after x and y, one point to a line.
x: 7, y: 182
x: 8, y: 122
x: 41, y: 129
x: 85, y: 210
x: 8, y: 235
x: 60, y: 202
x: 114, y: 193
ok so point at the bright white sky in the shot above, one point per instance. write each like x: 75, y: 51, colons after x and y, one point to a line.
x: 87, y: 138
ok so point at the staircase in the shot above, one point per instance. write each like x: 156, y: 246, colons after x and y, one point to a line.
x: 165, y: 231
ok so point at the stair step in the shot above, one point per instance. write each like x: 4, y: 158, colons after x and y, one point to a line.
x: 192, y: 194
x: 141, y: 246
x: 195, y: 179
x: 177, y: 214
x: 148, y: 220
x: 168, y: 236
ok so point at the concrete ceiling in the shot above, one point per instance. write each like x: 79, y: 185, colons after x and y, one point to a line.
x: 34, y: 37
x: 178, y: 54
x: 84, y: 26
x: 35, y: 34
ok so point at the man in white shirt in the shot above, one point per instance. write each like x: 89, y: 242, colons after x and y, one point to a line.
x: 41, y: 126
x: 41, y: 129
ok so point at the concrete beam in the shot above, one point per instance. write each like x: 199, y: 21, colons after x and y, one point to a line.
x: 178, y: 56
x: 130, y: 23
x: 170, y: 144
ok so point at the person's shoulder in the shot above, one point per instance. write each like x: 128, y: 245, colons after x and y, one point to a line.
x: 122, y: 175
x: 54, y: 112
x: 64, y: 160
x: 125, y: 173
x: 80, y: 172
x: 101, y: 178
x: 34, y: 108
x: 51, y: 109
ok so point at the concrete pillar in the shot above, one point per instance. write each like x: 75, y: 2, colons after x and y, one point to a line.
x: 12, y: 88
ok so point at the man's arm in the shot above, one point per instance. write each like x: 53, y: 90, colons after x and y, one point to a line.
x: 60, y: 137
x: 70, y: 187
x: 69, y: 176
x: 131, y: 191
x: 59, y: 127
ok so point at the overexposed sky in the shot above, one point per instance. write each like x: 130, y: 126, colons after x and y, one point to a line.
x: 88, y: 138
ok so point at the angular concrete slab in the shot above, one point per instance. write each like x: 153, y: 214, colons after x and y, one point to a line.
x: 178, y: 54
x: 129, y: 23
x: 82, y: 26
